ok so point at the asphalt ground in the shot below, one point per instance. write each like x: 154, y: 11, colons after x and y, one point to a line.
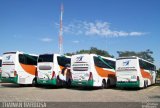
x: 79, y: 96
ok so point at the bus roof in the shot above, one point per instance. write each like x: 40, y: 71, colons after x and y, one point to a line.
x: 20, y: 52
x: 109, y: 58
x: 49, y: 54
x: 9, y: 53
x: 133, y: 57
x: 55, y: 54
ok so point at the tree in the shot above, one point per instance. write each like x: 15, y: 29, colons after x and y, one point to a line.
x: 69, y: 54
x: 147, y: 55
x: 92, y: 50
x: 158, y: 73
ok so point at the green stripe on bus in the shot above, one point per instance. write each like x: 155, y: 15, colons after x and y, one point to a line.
x: 128, y: 84
x: 10, y: 79
x: 82, y: 83
x: 47, y: 82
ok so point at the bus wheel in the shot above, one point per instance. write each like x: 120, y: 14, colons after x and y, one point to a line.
x: 145, y: 84
x: 104, y: 84
x: 59, y: 82
x: 69, y: 83
x: 21, y: 85
x: 108, y: 83
x: 34, y: 83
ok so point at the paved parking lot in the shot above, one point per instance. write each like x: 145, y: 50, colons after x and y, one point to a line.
x: 12, y: 92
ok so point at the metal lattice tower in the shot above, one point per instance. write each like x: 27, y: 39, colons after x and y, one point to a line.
x: 61, y: 31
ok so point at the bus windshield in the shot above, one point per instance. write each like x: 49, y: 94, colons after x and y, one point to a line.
x: 46, y: 58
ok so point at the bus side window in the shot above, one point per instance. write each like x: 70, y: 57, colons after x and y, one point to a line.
x: 110, y: 63
x: 142, y: 64
x: 100, y: 63
x: 27, y: 59
x: 146, y: 65
x: 62, y: 61
x: 21, y: 59
x: 31, y: 60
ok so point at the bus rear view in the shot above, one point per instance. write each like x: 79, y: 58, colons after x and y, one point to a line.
x: 81, y: 70
x: 19, y: 68
x: 46, y: 73
x: 93, y: 70
x: 135, y: 72
x: 127, y: 72
x: 9, y: 72
x: 49, y: 68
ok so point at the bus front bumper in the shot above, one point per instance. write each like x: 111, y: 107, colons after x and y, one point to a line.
x: 9, y: 79
x: 134, y: 84
x: 47, y: 82
x: 82, y: 83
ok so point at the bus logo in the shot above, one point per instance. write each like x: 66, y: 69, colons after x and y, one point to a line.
x: 79, y: 58
x: 8, y: 57
x: 126, y: 63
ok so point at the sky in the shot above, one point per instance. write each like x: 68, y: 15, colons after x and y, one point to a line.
x: 32, y: 26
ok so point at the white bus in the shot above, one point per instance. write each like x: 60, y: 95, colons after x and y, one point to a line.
x: 0, y: 67
x: 93, y: 70
x: 49, y: 68
x: 134, y: 72
x: 19, y: 68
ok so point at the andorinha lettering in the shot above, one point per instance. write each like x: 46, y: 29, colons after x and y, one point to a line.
x: 80, y: 65
x: 8, y: 62
x: 127, y: 69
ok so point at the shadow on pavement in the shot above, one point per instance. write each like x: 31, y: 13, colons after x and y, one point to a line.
x: 49, y: 87
x: 9, y: 85
x: 12, y: 85
x: 84, y: 88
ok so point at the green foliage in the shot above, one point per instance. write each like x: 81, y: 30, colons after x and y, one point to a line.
x: 158, y: 73
x: 92, y: 50
x: 147, y: 55
x: 69, y: 54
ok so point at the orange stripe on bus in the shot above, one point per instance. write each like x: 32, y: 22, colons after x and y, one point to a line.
x: 146, y: 74
x: 104, y: 73
x: 61, y: 67
x: 31, y: 69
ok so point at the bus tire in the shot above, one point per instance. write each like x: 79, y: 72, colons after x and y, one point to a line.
x: 69, y: 83
x: 21, y: 85
x: 108, y: 83
x: 58, y: 82
x: 145, y: 84
x: 34, y: 82
x: 104, y: 84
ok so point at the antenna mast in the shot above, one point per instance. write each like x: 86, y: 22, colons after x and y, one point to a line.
x: 61, y: 32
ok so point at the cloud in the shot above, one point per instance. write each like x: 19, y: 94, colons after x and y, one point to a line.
x: 96, y: 28
x: 137, y: 33
x: 46, y: 39
x: 75, y: 41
